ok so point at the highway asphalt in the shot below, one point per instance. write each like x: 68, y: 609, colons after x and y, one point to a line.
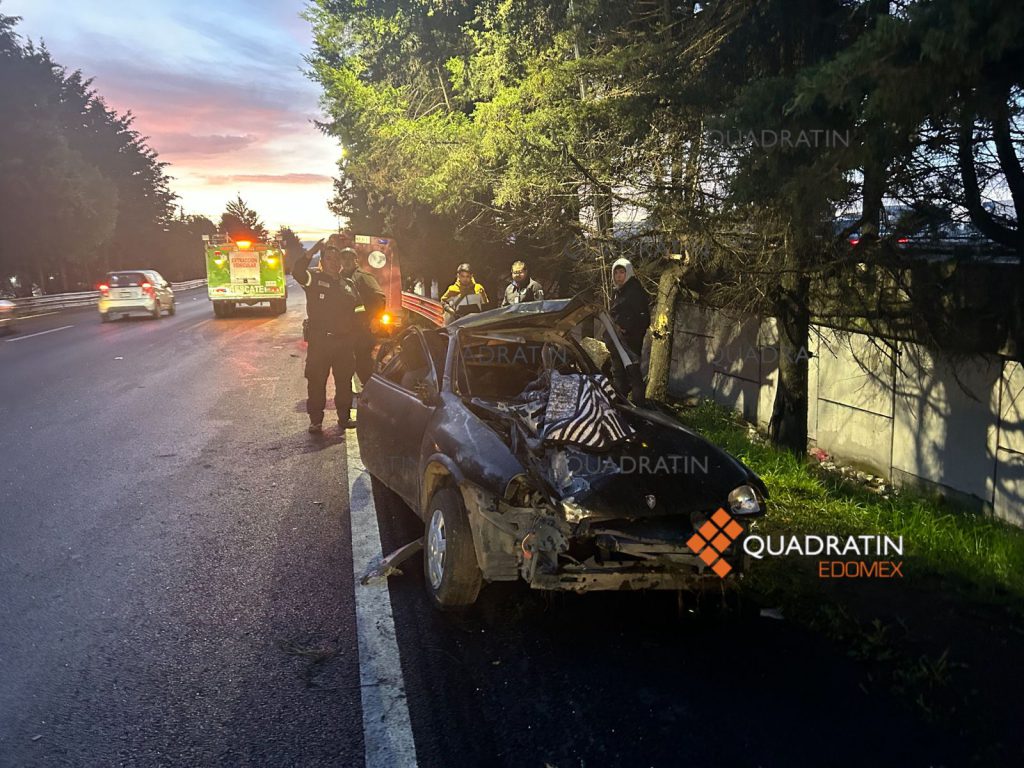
x: 176, y: 588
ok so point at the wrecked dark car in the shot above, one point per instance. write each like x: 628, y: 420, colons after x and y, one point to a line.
x: 504, y: 436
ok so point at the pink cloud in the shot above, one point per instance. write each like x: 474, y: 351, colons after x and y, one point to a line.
x: 270, y: 178
x: 186, y: 144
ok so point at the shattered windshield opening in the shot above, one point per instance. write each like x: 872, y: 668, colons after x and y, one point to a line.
x: 503, y: 368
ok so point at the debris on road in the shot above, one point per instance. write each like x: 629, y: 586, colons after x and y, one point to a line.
x: 379, y: 569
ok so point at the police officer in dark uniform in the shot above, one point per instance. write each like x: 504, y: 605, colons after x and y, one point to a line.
x: 371, y: 303
x: 331, y: 301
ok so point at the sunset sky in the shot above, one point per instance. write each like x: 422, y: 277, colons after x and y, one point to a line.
x: 216, y: 85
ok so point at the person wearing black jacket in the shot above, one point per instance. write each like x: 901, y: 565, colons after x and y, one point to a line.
x: 631, y: 312
x: 371, y: 304
x: 522, y: 287
x: 331, y: 301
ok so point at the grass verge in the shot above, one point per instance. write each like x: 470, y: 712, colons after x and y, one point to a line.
x: 943, y: 540
x: 946, y: 638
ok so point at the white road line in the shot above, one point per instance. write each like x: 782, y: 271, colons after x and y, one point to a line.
x: 200, y: 324
x: 41, y: 314
x: 387, y: 732
x: 41, y: 333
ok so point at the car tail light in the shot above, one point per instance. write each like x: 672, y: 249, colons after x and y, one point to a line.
x: 104, y: 291
x: 149, y: 290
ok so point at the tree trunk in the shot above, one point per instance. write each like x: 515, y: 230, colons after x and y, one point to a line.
x: 662, y: 331
x: 788, y: 426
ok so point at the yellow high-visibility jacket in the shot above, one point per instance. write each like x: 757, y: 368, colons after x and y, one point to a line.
x: 462, y: 302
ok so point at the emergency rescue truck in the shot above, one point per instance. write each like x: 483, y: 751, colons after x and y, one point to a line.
x: 245, y: 272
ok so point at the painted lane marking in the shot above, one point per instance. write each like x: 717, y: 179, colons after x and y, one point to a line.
x: 387, y: 732
x: 40, y: 333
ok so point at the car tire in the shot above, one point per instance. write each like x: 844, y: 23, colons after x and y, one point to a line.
x: 172, y: 309
x: 156, y: 310
x: 451, y: 573
x: 104, y: 317
x: 218, y: 309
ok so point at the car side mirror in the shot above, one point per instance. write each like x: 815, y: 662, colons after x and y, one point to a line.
x: 426, y: 392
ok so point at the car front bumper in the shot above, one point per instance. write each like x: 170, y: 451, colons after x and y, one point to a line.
x: 549, y: 553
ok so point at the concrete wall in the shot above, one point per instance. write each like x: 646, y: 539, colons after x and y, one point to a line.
x: 853, y: 404
x: 896, y: 408
x: 1009, y: 466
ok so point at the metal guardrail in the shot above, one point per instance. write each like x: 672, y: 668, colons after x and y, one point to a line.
x: 81, y: 299
x: 428, y: 308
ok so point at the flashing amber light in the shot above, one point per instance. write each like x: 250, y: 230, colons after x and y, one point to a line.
x: 385, y: 319
x: 244, y: 245
x: 271, y: 260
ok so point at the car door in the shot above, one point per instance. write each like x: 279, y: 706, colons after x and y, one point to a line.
x: 394, y: 410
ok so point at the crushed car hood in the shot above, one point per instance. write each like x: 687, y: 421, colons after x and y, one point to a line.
x: 558, y: 314
x: 663, y: 469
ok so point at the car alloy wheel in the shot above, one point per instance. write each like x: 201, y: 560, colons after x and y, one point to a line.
x: 453, y: 577
x: 436, y: 545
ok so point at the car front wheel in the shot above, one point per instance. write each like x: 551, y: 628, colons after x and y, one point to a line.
x: 453, y: 577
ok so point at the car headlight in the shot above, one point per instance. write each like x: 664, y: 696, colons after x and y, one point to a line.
x: 745, y: 500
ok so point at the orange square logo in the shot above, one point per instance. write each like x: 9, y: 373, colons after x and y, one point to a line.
x: 722, y: 568
x: 696, y: 543
x: 721, y: 542
x: 733, y: 530
x: 713, y: 537
x: 708, y: 555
